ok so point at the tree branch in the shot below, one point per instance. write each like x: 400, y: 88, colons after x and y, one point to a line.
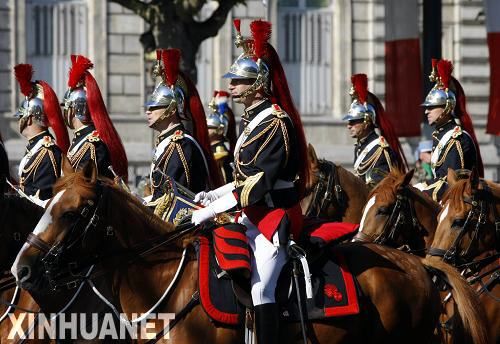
x: 145, y: 11
x: 211, y: 26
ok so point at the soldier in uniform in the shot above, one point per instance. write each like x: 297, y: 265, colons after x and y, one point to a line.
x: 183, y: 157
x: 95, y: 137
x: 270, y: 171
x: 222, y: 105
x: 41, y: 165
x: 217, y: 128
x: 454, y: 141
x: 375, y: 153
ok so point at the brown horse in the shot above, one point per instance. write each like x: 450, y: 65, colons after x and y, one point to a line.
x: 333, y: 192
x: 18, y: 217
x: 468, y: 237
x: 137, y: 253
x: 397, y: 215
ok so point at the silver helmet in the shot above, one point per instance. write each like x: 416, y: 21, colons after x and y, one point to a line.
x: 33, y: 106
x: 164, y: 96
x: 249, y: 65
x: 359, y: 111
x: 440, y: 97
x: 76, y: 99
x: 214, y: 121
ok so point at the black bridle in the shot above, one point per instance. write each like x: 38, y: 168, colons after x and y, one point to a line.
x: 65, y: 271
x: 402, y: 221
x: 482, y: 201
x: 322, y: 195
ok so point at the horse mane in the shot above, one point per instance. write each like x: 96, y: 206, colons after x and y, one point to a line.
x: 387, y: 189
x: 357, y: 182
x: 121, y: 196
x: 455, y: 194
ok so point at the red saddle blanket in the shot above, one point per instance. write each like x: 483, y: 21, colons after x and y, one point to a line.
x: 335, y: 290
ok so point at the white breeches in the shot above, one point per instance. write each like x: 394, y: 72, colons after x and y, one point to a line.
x: 267, y: 260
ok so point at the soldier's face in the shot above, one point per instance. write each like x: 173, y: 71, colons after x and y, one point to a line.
x: 154, y: 116
x: 356, y: 128
x: 238, y: 86
x: 434, y: 114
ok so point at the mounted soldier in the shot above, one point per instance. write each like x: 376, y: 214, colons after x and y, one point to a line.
x: 41, y: 164
x: 454, y: 142
x: 270, y: 170
x: 217, y: 124
x: 183, y: 156
x: 95, y: 137
x: 377, y: 150
x: 222, y: 104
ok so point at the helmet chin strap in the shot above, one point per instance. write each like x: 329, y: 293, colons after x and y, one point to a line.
x: 169, y: 111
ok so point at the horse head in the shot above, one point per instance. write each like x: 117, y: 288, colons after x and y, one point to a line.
x: 469, y: 223
x: 397, y: 214
x: 89, y: 221
x: 332, y: 192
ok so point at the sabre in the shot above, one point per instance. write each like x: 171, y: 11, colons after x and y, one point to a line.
x: 18, y: 190
x: 122, y: 182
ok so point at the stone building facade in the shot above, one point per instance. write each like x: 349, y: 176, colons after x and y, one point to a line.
x: 321, y: 42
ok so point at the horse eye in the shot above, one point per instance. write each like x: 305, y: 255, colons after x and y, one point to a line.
x: 458, y: 223
x: 383, y: 211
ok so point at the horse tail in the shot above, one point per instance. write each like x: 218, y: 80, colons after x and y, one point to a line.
x: 470, y: 311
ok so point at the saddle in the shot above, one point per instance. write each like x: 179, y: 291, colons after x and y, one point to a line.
x: 224, y: 270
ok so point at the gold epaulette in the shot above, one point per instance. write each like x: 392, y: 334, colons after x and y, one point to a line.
x: 220, y: 153
x: 47, y: 141
x: 278, y: 112
x: 177, y: 135
x: 94, y: 137
x: 383, y: 143
x: 457, y: 131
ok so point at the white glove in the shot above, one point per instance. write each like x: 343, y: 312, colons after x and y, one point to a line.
x: 221, y: 205
x: 201, y: 215
x: 205, y: 198
x: 420, y: 186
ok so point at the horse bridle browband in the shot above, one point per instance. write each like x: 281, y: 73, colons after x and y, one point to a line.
x: 402, y: 213
x: 481, y: 201
x: 328, y: 180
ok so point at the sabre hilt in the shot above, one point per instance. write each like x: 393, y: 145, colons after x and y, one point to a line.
x: 120, y: 179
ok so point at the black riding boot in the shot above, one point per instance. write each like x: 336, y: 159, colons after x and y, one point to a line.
x: 267, y: 323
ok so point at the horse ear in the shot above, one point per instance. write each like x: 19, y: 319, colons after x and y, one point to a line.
x: 452, y: 177
x: 408, y: 177
x: 90, y: 171
x: 66, y: 167
x: 313, y: 158
x: 474, y: 179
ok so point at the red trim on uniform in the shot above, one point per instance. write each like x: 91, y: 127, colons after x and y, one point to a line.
x: 267, y: 219
x: 352, y: 306
x: 206, y: 302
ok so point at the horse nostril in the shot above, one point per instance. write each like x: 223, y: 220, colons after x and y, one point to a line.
x: 24, y: 273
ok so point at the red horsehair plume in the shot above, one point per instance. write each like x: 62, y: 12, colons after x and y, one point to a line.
x: 360, y: 85
x: 171, y: 59
x: 261, y: 33
x: 216, y: 93
x: 158, y: 54
x: 80, y: 67
x: 24, y: 73
x: 237, y: 24
x: 445, y: 68
x: 434, y: 63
